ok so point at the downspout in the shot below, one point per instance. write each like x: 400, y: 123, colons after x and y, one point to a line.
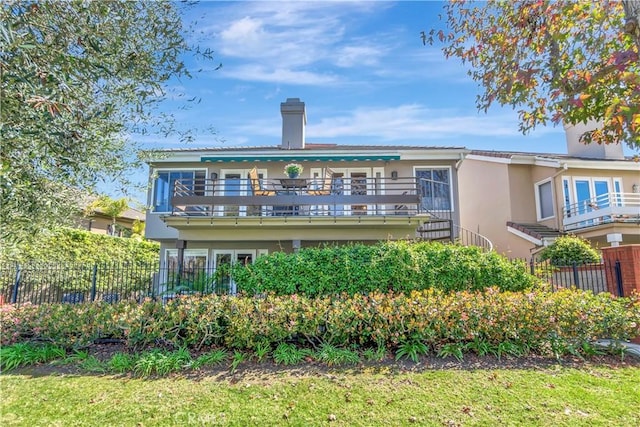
x: 457, y: 182
x: 565, y: 167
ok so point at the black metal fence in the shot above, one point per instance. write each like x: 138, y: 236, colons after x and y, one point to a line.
x: 586, y: 276
x: 79, y: 283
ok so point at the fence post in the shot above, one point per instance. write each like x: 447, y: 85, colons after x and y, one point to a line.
x: 94, y: 279
x: 16, y: 285
x: 576, y: 277
x: 532, y: 266
x: 618, y: 270
x: 451, y: 236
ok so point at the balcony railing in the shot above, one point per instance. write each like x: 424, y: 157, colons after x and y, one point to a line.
x: 604, y: 209
x: 297, y: 197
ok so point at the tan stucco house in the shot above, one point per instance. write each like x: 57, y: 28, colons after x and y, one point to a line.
x: 523, y: 201
x: 231, y: 204
x: 98, y: 222
x: 210, y: 206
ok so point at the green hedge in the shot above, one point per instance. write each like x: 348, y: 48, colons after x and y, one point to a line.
x: 389, y: 266
x: 537, y: 321
x: 81, y: 246
x: 567, y: 250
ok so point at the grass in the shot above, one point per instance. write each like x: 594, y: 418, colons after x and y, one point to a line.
x: 558, y: 396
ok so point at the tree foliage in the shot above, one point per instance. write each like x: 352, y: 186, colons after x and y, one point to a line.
x: 78, y: 77
x: 567, y: 250
x: 112, y: 208
x: 554, y: 61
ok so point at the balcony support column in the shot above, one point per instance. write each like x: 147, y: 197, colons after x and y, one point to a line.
x: 181, y: 245
x: 296, y: 244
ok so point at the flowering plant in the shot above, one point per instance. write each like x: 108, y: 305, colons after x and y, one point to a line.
x: 293, y: 169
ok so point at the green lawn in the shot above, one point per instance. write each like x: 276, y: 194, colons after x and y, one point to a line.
x: 550, y: 396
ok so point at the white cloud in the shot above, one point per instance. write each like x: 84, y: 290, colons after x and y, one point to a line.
x: 259, y: 73
x: 270, y: 41
x: 358, y: 56
x: 411, y: 122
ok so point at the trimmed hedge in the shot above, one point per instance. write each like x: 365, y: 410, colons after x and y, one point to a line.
x: 390, y: 266
x: 567, y: 250
x: 81, y: 246
x: 543, y: 322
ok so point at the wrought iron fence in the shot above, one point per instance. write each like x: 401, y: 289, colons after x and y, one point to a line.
x: 81, y: 283
x: 595, y: 277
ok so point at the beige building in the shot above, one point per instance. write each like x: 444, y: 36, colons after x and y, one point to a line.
x: 209, y: 206
x: 100, y: 223
x: 523, y: 201
x: 224, y: 205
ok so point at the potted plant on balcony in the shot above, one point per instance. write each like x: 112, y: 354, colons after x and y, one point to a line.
x: 293, y: 170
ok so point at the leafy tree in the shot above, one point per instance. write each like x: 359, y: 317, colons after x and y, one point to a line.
x: 112, y: 208
x: 137, y: 229
x: 78, y: 77
x: 566, y: 250
x: 559, y: 61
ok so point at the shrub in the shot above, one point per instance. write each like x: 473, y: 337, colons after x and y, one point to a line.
x: 445, y: 323
x: 567, y: 250
x: 389, y: 266
x: 68, y: 260
x: 81, y: 246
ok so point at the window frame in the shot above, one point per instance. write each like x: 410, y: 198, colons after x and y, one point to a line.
x: 539, y: 212
x: 448, y: 168
x: 155, y: 175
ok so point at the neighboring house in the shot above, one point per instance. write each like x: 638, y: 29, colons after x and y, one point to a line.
x: 100, y: 223
x: 523, y: 201
x: 206, y: 209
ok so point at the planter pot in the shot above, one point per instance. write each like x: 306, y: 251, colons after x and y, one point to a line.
x: 294, y: 175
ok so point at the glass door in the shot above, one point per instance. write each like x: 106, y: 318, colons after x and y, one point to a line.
x: 190, y: 277
x: 233, y: 184
x: 591, y: 194
x: 223, y: 260
x: 583, y: 196
x: 353, y: 181
x: 601, y: 190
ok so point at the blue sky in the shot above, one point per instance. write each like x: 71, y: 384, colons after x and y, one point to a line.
x: 360, y: 68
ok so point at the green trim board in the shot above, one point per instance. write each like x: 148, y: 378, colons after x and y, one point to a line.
x: 300, y: 158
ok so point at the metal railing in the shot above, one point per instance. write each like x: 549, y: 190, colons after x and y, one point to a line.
x: 442, y: 220
x: 604, y: 209
x: 84, y: 283
x: 595, y: 277
x: 300, y: 196
x: 76, y: 283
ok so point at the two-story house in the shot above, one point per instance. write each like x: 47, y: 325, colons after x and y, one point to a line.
x: 523, y: 201
x: 224, y: 205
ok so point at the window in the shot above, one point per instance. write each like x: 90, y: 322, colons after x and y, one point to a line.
x: 544, y: 200
x: 567, y: 197
x: 435, y: 188
x: 194, y: 259
x: 165, y: 182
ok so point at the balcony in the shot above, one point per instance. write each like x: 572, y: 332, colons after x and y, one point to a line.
x: 351, y: 208
x: 611, y: 209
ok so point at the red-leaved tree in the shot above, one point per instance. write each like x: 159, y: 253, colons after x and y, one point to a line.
x: 553, y: 61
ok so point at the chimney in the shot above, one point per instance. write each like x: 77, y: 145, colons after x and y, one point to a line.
x: 591, y: 151
x: 294, y: 120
